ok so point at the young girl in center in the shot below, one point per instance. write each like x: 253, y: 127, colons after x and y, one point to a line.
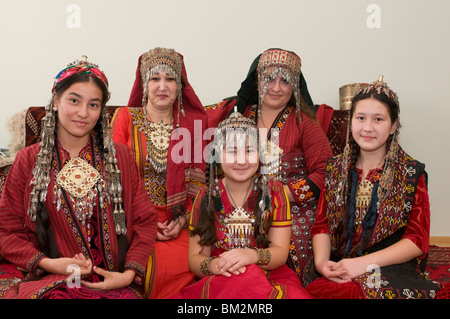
x: 240, y: 224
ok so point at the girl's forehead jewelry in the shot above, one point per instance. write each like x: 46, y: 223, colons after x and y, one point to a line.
x: 379, y: 87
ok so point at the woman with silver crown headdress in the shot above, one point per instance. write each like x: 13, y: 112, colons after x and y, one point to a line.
x: 163, y: 113
x: 74, y: 214
x: 275, y: 96
x: 371, y: 237
x: 240, y: 224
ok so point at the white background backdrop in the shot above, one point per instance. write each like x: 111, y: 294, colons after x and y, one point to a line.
x: 339, y: 42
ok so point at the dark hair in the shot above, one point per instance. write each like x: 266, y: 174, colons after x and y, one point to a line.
x: 342, y: 228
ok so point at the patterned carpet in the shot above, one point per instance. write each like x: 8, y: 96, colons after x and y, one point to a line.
x: 438, y: 266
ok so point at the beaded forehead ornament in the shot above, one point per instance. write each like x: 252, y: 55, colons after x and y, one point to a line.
x: 274, y: 62
x: 379, y: 87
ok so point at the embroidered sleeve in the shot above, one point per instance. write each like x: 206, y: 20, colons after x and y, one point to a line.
x: 139, y: 271
x: 195, y: 208
x: 303, y: 190
x: 32, y: 265
x: 321, y: 223
x: 281, y: 216
x: 17, y: 239
x: 194, y: 179
x: 141, y: 215
x: 418, y: 228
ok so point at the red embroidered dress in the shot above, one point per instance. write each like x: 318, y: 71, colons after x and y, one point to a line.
x: 96, y: 238
x: 405, y: 213
x: 280, y: 283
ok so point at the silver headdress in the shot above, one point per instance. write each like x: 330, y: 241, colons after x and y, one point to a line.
x: 161, y: 60
x: 239, y: 129
x: 274, y: 62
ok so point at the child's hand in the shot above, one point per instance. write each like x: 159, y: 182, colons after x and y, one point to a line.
x: 234, y: 261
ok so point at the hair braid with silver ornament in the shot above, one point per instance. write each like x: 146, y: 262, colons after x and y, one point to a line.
x: 41, y: 171
x: 114, y: 176
x: 43, y: 166
x: 350, y: 154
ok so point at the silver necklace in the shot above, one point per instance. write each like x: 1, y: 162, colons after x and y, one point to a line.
x: 239, y: 224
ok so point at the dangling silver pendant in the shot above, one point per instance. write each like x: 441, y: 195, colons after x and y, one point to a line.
x: 240, y: 228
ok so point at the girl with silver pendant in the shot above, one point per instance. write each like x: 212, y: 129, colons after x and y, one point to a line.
x: 240, y: 223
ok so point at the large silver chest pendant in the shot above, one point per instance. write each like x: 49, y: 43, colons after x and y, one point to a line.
x: 240, y: 228
x: 78, y: 178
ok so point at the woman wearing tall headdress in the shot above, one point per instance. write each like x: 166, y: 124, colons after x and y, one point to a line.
x: 371, y: 237
x: 163, y: 126
x: 276, y: 97
x: 74, y: 213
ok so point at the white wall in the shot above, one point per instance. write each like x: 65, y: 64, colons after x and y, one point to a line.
x: 339, y: 43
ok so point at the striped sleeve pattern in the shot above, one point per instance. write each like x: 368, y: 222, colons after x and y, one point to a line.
x: 281, y: 212
x: 195, y: 208
x: 16, y: 230
x: 140, y: 213
x: 124, y: 132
